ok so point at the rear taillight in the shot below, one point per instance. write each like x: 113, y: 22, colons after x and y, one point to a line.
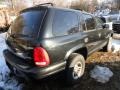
x: 41, y: 57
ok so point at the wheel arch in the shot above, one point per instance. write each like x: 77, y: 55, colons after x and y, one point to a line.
x: 81, y: 50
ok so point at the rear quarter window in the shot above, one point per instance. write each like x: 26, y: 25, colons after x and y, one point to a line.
x: 99, y: 22
x: 65, y: 23
x: 89, y: 21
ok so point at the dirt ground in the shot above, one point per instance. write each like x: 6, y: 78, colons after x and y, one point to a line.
x: 57, y: 82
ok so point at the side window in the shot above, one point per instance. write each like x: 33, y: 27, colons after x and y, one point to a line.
x: 99, y: 22
x: 83, y: 25
x: 65, y: 23
x: 103, y: 19
x: 90, y: 22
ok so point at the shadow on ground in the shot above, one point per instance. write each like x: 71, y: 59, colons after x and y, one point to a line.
x: 57, y: 82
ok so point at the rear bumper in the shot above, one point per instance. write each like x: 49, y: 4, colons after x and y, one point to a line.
x: 24, y: 70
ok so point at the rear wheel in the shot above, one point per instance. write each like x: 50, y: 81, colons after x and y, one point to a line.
x: 75, y: 68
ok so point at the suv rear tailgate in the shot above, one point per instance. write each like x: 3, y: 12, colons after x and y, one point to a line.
x: 23, y: 33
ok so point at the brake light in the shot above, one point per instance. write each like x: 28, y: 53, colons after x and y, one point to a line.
x: 41, y: 57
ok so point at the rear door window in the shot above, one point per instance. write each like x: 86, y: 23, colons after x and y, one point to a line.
x: 99, y: 22
x: 65, y: 23
x: 90, y: 22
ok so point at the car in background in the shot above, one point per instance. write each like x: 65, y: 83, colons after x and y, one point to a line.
x: 115, y: 17
x: 107, y: 20
x: 116, y: 27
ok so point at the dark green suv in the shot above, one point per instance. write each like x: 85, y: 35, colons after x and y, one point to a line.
x: 44, y: 40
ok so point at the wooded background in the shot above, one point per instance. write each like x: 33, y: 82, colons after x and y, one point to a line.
x: 87, y: 5
x: 10, y: 8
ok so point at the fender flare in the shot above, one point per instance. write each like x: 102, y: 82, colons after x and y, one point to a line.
x: 73, y: 50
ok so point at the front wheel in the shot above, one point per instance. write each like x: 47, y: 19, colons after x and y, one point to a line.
x: 75, y: 68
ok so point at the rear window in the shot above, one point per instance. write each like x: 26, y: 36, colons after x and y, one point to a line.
x: 28, y: 23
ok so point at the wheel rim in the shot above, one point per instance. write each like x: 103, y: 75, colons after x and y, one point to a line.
x: 77, y: 70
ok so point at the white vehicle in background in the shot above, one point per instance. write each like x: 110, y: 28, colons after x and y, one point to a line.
x: 115, y: 16
x: 107, y: 20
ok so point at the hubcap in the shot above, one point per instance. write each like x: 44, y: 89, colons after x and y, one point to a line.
x: 77, y: 71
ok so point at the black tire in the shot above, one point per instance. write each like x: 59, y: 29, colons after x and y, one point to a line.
x: 75, y: 60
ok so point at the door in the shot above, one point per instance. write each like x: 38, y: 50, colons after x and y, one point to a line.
x: 103, y: 32
x: 92, y: 40
x: 100, y: 29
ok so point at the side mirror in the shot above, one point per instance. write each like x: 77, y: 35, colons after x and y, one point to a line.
x: 105, y: 26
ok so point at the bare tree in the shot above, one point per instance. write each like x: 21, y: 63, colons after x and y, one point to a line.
x: 12, y: 4
x: 117, y: 4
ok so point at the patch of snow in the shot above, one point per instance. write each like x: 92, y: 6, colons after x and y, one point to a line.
x: 6, y: 82
x: 101, y: 74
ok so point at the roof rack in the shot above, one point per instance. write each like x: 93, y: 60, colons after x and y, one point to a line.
x: 77, y: 9
x: 45, y: 4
